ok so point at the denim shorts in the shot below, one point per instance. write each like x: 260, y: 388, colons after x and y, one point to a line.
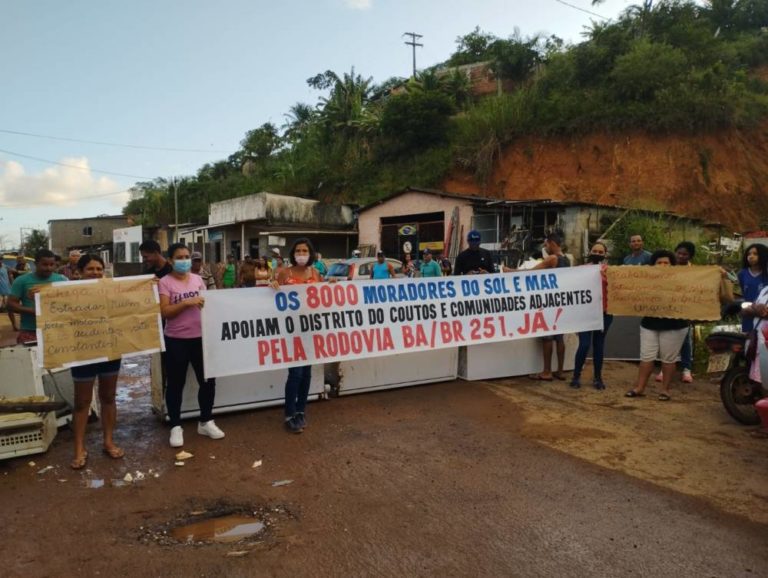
x: 90, y: 371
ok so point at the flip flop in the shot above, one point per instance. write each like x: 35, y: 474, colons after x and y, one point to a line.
x: 115, y: 453
x: 633, y: 393
x: 539, y: 378
x: 664, y: 397
x: 79, y: 463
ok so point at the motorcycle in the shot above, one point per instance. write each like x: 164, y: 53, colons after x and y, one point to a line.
x: 737, y: 391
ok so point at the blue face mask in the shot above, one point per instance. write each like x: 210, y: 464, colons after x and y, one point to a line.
x: 182, y: 265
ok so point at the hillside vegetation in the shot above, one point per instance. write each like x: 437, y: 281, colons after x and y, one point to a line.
x: 664, y: 70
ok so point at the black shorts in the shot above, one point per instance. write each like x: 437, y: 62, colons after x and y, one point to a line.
x: 90, y: 371
x: 556, y: 338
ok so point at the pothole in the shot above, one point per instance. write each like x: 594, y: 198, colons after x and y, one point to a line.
x: 217, y: 523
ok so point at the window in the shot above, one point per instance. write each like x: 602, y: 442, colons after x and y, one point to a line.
x: 88, y: 231
x: 120, y: 253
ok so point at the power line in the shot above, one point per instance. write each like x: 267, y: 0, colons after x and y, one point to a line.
x: 580, y: 9
x: 49, y: 161
x: 112, y: 144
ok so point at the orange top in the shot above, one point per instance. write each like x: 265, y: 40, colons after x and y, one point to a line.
x: 291, y: 280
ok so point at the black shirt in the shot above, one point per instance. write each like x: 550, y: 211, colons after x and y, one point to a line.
x: 162, y: 271
x: 473, y: 260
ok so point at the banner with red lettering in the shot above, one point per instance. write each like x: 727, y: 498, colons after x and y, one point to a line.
x: 258, y: 329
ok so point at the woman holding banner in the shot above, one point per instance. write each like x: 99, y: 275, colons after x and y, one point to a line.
x: 302, y: 257
x: 180, y: 303
x: 594, y: 338
x: 659, y: 338
x: 84, y: 377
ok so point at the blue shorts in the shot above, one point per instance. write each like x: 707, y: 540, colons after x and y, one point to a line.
x: 90, y: 371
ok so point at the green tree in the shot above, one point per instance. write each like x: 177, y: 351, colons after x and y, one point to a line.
x: 647, y: 68
x: 36, y: 240
x: 472, y: 47
x: 151, y: 202
x: 260, y: 143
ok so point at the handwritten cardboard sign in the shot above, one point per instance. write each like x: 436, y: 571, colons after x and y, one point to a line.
x: 80, y: 322
x: 672, y: 292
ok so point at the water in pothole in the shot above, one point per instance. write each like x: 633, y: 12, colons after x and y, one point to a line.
x: 221, y: 530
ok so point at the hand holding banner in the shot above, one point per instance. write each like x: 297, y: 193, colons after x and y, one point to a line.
x: 81, y: 322
x: 673, y: 292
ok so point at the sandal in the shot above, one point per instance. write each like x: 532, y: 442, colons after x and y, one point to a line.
x: 664, y: 397
x: 115, y: 452
x: 558, y: 376
x: 539, y: 377
x: 633, y: 393
x: 79, y: 462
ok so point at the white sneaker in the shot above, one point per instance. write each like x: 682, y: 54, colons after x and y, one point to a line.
x: 177, y: 437
x: 210, y: 429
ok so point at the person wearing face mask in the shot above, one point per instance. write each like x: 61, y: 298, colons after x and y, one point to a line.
x: 301, y: 270
x: 594, y: 338
x: 181, y: 298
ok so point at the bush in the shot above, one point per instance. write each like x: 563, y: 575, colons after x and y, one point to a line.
x: 415, y: 121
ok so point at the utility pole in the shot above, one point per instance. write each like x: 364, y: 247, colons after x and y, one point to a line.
x: 414, y: 44
x: 175, y: 211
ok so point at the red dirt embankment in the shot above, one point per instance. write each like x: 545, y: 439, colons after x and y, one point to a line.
x: 718, y: 177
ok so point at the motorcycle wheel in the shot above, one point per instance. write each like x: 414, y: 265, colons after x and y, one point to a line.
x: 739, y: 394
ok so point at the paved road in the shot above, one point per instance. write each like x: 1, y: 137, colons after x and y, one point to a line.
x: 427, y: 481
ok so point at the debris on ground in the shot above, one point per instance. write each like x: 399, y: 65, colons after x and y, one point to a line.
x: 128, y: 478
x: 281, y: 483
x: 182, y: 455
x: 45, y: 469
x: 178, y: 464
x: 256, y: 464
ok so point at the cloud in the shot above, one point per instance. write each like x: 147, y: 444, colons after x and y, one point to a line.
x: 56, y: 186
x: 359, y: 4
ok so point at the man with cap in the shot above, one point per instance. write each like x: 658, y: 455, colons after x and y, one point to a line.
x: 382, y: 269
x: 199, y: 269
x: 273, y: 261
x: 475, y: 260
x: 430, y: 267
x: 356, y: 254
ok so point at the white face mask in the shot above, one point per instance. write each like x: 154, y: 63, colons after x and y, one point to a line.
x: 301, y: 259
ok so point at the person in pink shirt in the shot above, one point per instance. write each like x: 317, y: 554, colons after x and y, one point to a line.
x: 181, y: 298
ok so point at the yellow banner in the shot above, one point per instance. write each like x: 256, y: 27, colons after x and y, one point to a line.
x: 89, y: 321
x: 673, y: 292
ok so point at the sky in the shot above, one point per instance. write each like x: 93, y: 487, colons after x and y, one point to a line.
x: 194, y: 76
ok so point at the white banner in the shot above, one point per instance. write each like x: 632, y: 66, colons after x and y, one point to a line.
x: 258, y: 329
